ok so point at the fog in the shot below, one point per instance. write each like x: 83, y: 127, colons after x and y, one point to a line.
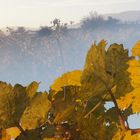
x: 44, y: 54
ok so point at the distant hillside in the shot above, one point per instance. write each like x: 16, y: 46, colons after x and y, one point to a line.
x: 129, y: 16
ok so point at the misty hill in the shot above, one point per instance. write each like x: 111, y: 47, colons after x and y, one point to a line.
x: 128, y: 16
x: 45, y: 53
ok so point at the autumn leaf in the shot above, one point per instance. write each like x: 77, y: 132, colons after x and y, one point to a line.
x: 32, y: 89
x: 67, y: 79
x: 36, y: 113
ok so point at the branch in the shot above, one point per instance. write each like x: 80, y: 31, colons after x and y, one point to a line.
x: 120, y: 116
x: 94, y: 108
x: 23, y: 132
x: 21, y: 129
x: 134, y: 131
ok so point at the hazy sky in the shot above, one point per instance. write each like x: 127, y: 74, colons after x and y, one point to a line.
x: 34, y: 13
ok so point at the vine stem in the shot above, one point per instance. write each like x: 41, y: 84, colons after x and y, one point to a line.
x: 22, y: 131
x: 120, y: 116
x: 95, y: 107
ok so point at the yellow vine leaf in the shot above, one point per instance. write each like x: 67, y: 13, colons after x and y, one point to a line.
x: 4, y: 135
x: 127, y: 136
x: 133, y: 99
x: 136, y: 49
x: 68, y: 79
x: 134, y: 70
x: 13, y: 132
x: 36, y: 113
x: 32, y: 89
